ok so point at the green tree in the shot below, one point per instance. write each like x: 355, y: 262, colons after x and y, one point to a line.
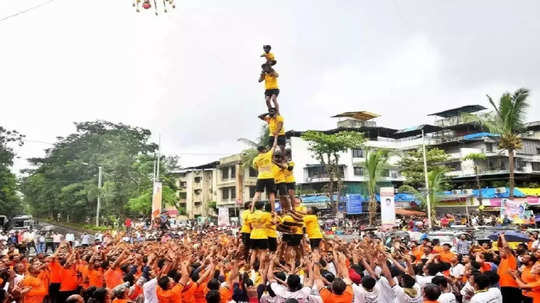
x: 10, y: 202
x: 436, y: 181
x: 412, y: 165
x: 507, y: 121
x: 65, y: 180
x: 376, y: 161
x: 326, y: 149
x: 476, y: 158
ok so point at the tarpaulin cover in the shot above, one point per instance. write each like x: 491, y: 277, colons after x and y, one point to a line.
x: 478, y: 135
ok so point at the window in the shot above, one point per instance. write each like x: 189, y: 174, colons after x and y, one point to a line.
x: 320, y: 172
x: 253, y: 172
x: 538, y: 150
x: 197, y: 179
x: 233, y: 172
x: 358, y: 153
x: 225, y: 193
x: 535, y: 166
x: 521, y: 165
x: 233, y: 193
x: 183, y: 184
x: 489, y: 147
x: 385, y: 173
x: 358, y: 171
x: 224, y: 173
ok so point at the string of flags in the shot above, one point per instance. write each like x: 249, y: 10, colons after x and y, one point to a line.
x: 158, y: 5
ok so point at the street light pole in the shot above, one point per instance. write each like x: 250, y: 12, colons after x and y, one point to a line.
x: 428, y: 202
x: 99, y: 196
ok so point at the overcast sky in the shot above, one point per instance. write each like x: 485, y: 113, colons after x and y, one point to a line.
x: 191, y: 75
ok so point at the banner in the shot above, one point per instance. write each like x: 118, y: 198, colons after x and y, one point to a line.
x: 223, y: 216
x: 388, y: 206
x: 156, y: 200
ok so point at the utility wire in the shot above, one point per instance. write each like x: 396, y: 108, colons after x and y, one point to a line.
x: 26, y: 10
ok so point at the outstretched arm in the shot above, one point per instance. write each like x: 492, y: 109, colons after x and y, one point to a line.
x: 261, y: 77
x: 263, y: 116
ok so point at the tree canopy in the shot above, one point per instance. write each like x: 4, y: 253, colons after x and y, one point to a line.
x: 65, y: 180
x: 10, y: 202
x: 412, y: 165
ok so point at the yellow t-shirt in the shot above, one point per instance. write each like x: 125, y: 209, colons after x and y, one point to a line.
x: 289, y: 176
x: 245, y: 224
x: 270, y: 81
x: 271, y: 230
x: 259, y: 220
x: 312, y: 227
x: 294, y: 229
x: 273, y: 125
x: 269, y: 56
x: 279, y: 174
x: 263, y: 163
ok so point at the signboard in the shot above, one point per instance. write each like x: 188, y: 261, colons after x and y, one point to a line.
x: 156, y: 200
x: 354, y: 204
x: 388, y: 206
x: 223, y: 216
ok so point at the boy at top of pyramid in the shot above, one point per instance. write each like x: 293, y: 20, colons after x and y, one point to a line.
x: 270, y: 59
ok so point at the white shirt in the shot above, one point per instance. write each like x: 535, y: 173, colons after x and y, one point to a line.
x: 496, y: 292
x: 457, y: 271
x: 302, y: 295
x: 402, y: 297
x: 85, y: 239
x: 387, y: 295
x: 467, y: 292
x: 361, y: 295
x: 57, y: 238
x: 447, y: 297
x: 423, y: 280
x: 485, y: 297
x: 149, y: 291
x: 70, y: 237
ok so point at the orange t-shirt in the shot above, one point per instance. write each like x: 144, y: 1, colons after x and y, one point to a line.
x: 188, y: 293
x: 485, y: 267
x: 437, y: 249
x: 45, y: 276
x: 506, y: 279
x: 535, y: 289
x: 527, y: 277
x: 173, y: 295
x: 120, y: 300
x: 95, y: 277
x: 113, y: 277
x: 329, y: 297
x: 200, y: 293
x: 70, y: 279
x: 418, y: 252
x: 446, y: 256
x: 83, y: 269
x: 225, y: 295
x: 56, y: 271
x: 38, y: 291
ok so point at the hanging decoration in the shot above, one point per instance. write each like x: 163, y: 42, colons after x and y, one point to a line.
x: 164, y: 5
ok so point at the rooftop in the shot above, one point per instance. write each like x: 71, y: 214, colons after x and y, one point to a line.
x: 359, y: 115
x: 459, y: 110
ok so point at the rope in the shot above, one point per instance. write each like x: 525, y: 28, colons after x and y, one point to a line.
x: 26, y: 10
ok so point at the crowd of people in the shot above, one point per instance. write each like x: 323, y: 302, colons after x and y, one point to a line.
x: 275, y: 257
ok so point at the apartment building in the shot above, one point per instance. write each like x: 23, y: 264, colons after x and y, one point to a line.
x: 230, y: 185
x: 449, y: 132
x: 197, y: 188
x: 235, y: 183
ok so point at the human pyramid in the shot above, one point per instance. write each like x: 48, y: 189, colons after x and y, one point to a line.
x: 260, y: 221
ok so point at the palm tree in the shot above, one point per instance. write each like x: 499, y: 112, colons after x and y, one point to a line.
x: 375, y: 162
x: 507, y: 121
x: 436, y: 181
x: 476, y: 158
